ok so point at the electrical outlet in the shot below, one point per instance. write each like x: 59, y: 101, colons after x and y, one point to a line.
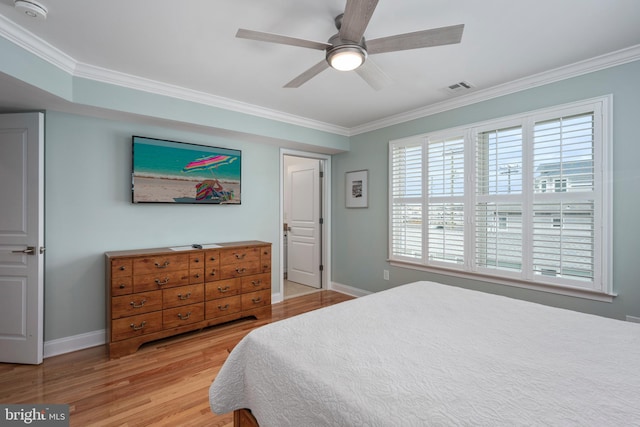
x: 385, y: 274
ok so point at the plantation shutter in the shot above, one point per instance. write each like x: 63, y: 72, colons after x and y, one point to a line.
x: 445, y: 198
x: 498, y: 199
x: 406, y: 201
x: 564, y: 198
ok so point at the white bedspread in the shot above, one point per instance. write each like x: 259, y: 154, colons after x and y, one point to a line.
x: 429, y: 354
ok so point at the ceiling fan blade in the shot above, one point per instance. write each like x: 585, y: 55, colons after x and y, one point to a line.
x: 276, y: 38
x: 308, y: 75
x: 356, y: 17
x: 419, y: 39
x: 373, y: 75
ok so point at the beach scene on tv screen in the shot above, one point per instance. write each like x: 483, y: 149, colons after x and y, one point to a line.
x: 175, y: 172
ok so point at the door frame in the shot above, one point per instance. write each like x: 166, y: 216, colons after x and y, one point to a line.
x: 325, y: 235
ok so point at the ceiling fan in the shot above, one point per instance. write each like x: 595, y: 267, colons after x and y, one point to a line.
x: 347, y: 50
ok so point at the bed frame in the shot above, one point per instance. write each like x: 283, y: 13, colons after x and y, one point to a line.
x: 244, y: 418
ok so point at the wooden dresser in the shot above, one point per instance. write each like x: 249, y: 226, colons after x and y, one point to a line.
x: 157, y: 293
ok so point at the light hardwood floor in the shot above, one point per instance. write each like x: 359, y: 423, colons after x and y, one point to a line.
x: 165, y: 383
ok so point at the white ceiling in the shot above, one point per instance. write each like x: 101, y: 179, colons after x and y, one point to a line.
x: 191, y: 45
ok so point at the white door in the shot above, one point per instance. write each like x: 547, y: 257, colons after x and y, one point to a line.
x: 304, y: 235
x: 21, y: 237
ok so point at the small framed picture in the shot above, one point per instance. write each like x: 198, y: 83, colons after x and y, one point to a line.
x: 357, y: 189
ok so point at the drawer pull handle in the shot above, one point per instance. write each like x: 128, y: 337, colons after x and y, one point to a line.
x: 123, y: 268
x: 197, y: 276
x: 223, y: 290
x: 163, y: 265
x: 240, y: 270
x: 256, y: 282
x: 162, y: 282
x: 213, y: 272
x: 196, y: 260
x: 122, y: 286
x: 134, y: 305
x: 184, y: 317
x: 137, y: 328
x: 256, y: 300
x: 184, y: 297
x: 240, y: 256
x: 221, y: 308
x: 212, y: 258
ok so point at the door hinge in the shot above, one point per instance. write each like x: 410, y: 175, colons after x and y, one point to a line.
x: 321, y: 267
x: 321, y: 220
x: 321, y: 174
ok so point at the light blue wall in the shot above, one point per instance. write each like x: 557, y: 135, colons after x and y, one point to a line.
x: 359, y: 236
x: 89, y: 212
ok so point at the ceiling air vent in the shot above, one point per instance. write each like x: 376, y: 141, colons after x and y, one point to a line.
x: 459, y: 87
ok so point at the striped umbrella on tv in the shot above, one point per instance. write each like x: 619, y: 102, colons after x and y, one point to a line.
x: 210, y: 188
x: 209, y: 162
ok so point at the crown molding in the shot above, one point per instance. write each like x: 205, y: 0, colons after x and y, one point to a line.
x: 45, y: 51
x: 129, y: 81
x: 49, y: 53
x: 598, y: 63
x: 35, y: 45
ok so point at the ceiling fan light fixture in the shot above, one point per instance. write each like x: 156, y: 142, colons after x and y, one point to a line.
x: 346, y: 58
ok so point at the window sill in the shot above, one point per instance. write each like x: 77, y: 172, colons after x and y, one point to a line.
x: 554, y: 289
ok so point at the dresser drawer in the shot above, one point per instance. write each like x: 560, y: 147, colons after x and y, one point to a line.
x: 240, y: 255
x: 212, y: 265
x: 184, y: 315
x: 265, y: 259
x: 196, y: 260
x: 166, y: 279
x: 211, y: 274
x: 196, y: 276
x: 121, y: 268
x: 134, y: 326
x: 258, y: 282
x: 161, y: 263
x: 223, y: 306
x: 241, y: 269
x: 196, y: 267
x: 183, y: 295
x: 256, y: 299
x: 223, y: 288
x: 121, y: 285
x: 131, y: 305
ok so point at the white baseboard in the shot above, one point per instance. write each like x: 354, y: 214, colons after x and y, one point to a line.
x: 349, y: 290
x: 275, y: 298
x: 633, y: 319
x: 74, y: 343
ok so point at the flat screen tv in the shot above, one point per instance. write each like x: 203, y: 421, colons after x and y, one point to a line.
x: 176, y: 172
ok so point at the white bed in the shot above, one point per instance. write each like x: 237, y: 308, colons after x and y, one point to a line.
x: 430, y: 354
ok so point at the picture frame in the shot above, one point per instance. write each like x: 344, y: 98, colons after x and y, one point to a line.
x: 357, y: 189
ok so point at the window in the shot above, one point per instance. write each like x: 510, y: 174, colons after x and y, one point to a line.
x: 521, y: 199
